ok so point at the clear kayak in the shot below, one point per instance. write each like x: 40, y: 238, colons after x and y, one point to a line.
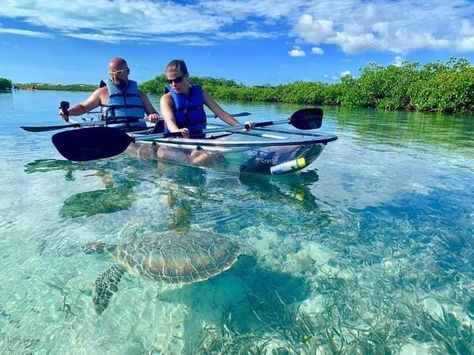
x: 230, y: 148
x: 264, y: 151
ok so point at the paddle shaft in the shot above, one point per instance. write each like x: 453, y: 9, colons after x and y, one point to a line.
x: 86, y: 124
x: 240, y: 114
x: 269, y: 132
x: 159, y: 126
x: 72, y: 124
x: 310, y: 118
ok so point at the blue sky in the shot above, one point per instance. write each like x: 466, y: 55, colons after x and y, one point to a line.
x: 254, y: 42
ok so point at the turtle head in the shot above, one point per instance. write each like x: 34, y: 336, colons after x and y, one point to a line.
x: 97, y: 248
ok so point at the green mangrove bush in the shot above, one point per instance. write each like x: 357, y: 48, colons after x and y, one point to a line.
x: 5, y: 84
x: 433, y: 87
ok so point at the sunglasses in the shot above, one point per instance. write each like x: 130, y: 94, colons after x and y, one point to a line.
x: 117, y: 72
x: 176, y: 80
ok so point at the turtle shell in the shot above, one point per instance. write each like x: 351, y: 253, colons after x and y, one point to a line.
x: 177, y: 258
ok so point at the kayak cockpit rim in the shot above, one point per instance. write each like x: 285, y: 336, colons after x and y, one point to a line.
x: 321, y: 139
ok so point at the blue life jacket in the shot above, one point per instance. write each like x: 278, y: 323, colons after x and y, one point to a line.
x: 189, y: 110
x: 125, y: 107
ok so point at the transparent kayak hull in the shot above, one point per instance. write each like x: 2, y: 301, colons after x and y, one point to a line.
x: 273, y: 153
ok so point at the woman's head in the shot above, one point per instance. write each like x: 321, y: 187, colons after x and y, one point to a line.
x: 176, y: 67
x: 177, y: 75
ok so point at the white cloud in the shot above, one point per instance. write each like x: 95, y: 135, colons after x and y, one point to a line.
x: 408, y: 41
x: 313, y: 30
x: 297, y: 52
x: 246, y: 34
x: 317, y: 51
x: 381, y: 28
x: 115, y: 21
x: 360, y: 43
x: 16, y: 31
x: 467, y: 28
x: 266, y: 9
x: 466, y: 44
x: 345, y: 73
x: 355, y: 26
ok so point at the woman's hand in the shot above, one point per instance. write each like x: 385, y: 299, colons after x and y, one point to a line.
x: 184, y: 132
x: 249, y: 125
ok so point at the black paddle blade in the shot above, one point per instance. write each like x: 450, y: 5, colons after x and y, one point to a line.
x: 307, y: 118
x: 91, y: 143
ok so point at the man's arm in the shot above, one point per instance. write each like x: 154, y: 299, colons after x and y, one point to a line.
x: 93, y: 101
x: 152, y: 115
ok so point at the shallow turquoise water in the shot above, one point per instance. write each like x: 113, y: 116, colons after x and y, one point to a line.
x: 369, y: 250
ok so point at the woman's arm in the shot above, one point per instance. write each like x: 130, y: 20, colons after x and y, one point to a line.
x: 167, y: 111
x: 221, y: 113
x: 217, y: 110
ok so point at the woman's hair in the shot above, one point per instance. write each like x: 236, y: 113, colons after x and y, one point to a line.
x: 177, y: 65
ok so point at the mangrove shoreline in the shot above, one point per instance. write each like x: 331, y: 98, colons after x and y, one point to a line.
x: 446, y: 88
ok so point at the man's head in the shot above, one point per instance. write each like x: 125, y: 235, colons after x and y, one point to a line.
x: 118, y: 72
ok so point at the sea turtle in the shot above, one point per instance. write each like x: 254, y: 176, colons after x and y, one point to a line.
x: 170, y: 257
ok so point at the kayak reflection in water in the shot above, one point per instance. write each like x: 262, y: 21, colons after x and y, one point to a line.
x: 182, y: 107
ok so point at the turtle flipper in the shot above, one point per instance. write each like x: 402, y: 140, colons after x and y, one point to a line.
x: 105, y: 285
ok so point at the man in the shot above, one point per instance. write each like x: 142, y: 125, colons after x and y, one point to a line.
x: 124, y: 106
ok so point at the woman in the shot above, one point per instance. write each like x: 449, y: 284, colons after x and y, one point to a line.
x: 182, y: 108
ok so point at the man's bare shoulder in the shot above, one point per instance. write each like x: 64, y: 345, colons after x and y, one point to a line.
x: 102, y: 94
x: 103, y: 89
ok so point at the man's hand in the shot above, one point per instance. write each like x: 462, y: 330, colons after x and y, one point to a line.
x: 64, y: 110
x: 64, y: 116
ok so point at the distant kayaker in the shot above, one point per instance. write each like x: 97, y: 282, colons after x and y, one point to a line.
x: 123, y: 104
